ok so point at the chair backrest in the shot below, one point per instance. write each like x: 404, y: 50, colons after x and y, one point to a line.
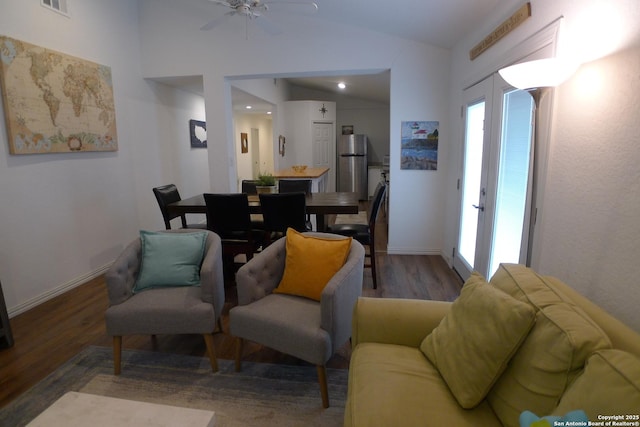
x: 378, y: 195
x: 283, y: 210
x: 228, y: 214
x: 165, y: 195
x: 249, y: 186
x: 294, y: 186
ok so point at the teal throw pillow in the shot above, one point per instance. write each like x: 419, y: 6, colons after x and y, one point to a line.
x: 170, y: 259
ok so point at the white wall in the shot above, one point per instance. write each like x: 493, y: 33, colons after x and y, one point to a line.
x: 588, y: 231
x: 66, y: 217
x: 186, y: 167
x: 419, y: 84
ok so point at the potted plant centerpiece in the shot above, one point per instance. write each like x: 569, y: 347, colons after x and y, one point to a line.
x: 266, y: 183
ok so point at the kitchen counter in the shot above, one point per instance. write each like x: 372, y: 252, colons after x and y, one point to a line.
x: 318, y: 177
x: 308, y: 173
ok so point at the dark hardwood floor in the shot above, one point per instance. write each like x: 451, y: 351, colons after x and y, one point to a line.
x: 53, y: 332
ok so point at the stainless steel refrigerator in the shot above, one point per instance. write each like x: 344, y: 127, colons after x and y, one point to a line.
x: 352, y: 164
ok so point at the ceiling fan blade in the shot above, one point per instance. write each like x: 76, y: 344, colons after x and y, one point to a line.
x: 215, y: 22
x: 311, y: 4
x: 222, y: 3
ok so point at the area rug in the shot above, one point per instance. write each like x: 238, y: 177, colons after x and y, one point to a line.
x: 261, y: 395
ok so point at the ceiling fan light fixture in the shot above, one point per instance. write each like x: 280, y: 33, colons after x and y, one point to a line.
x: 252, y: 9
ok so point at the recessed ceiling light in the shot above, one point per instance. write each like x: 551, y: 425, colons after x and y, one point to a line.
x: 341, y: 85
x: 248, y: 107
x: 268, y: 112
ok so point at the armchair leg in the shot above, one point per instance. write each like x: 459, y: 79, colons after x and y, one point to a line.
x: 322, y: 379
x: 208, y: 340
x: 239, y: 346
x: 117, y: 354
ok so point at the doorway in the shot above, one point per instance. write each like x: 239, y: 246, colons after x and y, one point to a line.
x: 324, y: 150
x: 495, y: 186
x: 256, y: 165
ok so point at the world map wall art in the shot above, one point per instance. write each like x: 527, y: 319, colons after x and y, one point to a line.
x: 55, y: 103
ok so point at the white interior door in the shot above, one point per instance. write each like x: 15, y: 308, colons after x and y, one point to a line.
x: 324, y: 150
x: 496, y: 177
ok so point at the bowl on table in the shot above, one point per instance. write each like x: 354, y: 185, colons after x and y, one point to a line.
x: 299, y: 168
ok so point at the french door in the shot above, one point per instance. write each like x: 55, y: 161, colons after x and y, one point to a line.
x: 495, y: 186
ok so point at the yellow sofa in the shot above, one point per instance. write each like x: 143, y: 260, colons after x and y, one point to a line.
x: 573, y: 356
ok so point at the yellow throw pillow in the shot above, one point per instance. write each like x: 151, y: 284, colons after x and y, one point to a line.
x: 310, y: 263
x: 474, y: 342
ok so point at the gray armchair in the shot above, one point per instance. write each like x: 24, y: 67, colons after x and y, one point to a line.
x: 304, y: 328
x: 166, y: 310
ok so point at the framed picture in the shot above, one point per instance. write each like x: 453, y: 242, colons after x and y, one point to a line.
x: 244, y: 142
x: 54, y: 102
x: 281, y: 142
x: 347, y: 129
x: 198, y: 133
x: 419, y: 145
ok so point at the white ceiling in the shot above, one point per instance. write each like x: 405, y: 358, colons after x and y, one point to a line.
x: 437, y: 22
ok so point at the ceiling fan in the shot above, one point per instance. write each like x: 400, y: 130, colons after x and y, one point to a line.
x: 253, y: 9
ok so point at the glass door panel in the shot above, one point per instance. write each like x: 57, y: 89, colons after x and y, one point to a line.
x: 476, y: 115
x: 495, y: 183
x: 471, y: 184
x: 513, y: 179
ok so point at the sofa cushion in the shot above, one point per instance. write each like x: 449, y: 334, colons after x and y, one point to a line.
x: 310, y: 263
x: 609, y: 385
x: 395, y: 385
x: 474, y: 342
x: 552, y: 355
x: 526, y: 285
x: 170, y: 259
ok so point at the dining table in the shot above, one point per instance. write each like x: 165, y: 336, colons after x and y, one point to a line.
x: 318, y: 204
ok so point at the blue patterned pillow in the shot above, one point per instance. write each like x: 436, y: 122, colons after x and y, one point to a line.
x: 529, y: 419
x: 170, y: 259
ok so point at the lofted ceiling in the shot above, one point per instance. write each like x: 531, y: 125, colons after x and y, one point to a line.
x: 438, y: 22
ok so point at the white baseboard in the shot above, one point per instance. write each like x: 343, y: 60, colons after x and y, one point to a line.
x: 59, y: 290
x: 412, y: 251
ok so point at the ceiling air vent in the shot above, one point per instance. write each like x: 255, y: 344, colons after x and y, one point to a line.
x: 59, y: 6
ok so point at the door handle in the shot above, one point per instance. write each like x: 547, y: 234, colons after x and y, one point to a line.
x: 479, y: 207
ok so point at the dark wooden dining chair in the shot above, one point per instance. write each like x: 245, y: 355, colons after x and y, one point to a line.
x: 165, y: 195
x: 281, y: 211
x: 228, y: 216
x: 365, y: 233
x: 296, y: 186
x: 249, y: 186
